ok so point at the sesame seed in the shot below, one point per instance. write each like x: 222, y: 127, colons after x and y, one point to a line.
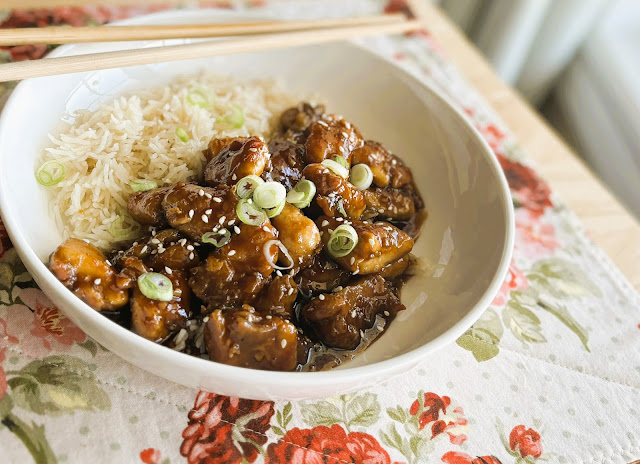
x: 386, y: 313
x: 232, y: 252
x: 205, y: 319
x: 161, y: 250
x: 234, y: 177
x: 325, y: 223
x: 266, y: 229
x: 191, y: 255
x: 380, y: 328
x: 205, y: 219
x: 86, y: 240
x: 344, y: 134
x: 209, y: 211
x: 356, y: 271
x: 394, y: 162
x: 182, y: 241
x: 337, y: 289
x: 153, y: 232
x: 201, y: 192
x: 278, y: 273
x: 217, y: 200
x: 97, y: 281
x: 341, y: 149
x: 168, y: 270
x: 191, y: 213
x: 352, y: 260
x: 208, y: 195
x: 135, y: 244
x: 339, y: 219
x: 253, y: 149
x: 154, y: 252
x: 353, y: 313
x: 347, y: 124
x: 155, y: 241
x: 236, y: 229
x: 268, y: 316
x: 144, y: 248
x: 196, y: 244
x: 371, y: 256
x: 219, y: 232
x: 321, y: 297
x: 232, y: 222
x: 323, y: 123
x: 330, y: 231
x: 362, y: 333
x: 290, y: 292
x: 372, y: 242
x: 222, y: 219
x: 190, y: 247
x: 283, y: 343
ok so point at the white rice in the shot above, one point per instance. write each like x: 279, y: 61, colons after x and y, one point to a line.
x: 134, y: 137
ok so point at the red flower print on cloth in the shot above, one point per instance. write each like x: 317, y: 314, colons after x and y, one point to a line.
x: 45, y: 329
x: 150, y: 456
x: 455, y: 457
x: 515, y: 280
x: 225, y: 430
x: 525, y: 441
x: 328, y: 445
x: 491, y: 134
x: 398, y: 6
x: 527, y: 189
x: 432, y: 412
x: 534, y: 238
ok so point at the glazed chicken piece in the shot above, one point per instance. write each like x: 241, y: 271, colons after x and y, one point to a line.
x: 278, y: 297
x: 167, y: 248
x: 330, y: 137
x: 244, y: 337
x: 300, y: 117
x: 337, y: 318
x: 237, y: 159
x: 378, y: 244
x: 155, y: 320
x: 195, y: 210
x: 387, y: 169
x: 286, y: 162
x: 334, y: 193
x: 299, y: 235
x: 390, y: 203
x: 323, y: 275
x: 83, y: 269
x: 146, y: 207
x: 396, y: 268
x: 234, y: 274
x: 217, y: 145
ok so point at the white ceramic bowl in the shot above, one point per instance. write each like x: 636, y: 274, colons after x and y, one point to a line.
x: 466, y: 242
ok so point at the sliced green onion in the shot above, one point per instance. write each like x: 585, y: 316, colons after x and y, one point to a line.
x: 341, y: 207
x: 273, y: 212
x: 235, y: 120
x: 123, y: 228
x: 302, y: 194
x: 269, y: 195
x: 341, y: 161
x: 50, y: 173
x: 182, y: 134
x: 156, y: 286
x: 342, y: 241
x: 217, y: 239
x: 142, y: 185
x: 199, y: 96
x: 247, y: 185
x: 361, y: 176
x: 250, y: 213
x: 336, y: 168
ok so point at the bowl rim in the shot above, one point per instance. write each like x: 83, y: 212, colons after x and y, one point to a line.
x: 397, y: 364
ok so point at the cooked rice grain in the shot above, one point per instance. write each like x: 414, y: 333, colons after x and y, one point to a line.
x: 134, y: 137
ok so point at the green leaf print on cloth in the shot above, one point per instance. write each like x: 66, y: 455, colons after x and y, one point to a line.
x: 351, y: 410
x: 531, y: 295
x: 57, y: 385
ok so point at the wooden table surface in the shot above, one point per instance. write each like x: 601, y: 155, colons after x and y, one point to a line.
x: 607, y: 222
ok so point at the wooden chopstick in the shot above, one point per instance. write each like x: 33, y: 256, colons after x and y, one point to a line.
x: 68, y: 34
x: 124, y: 58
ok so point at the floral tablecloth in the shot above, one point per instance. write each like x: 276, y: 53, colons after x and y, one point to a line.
x: 551, y: 371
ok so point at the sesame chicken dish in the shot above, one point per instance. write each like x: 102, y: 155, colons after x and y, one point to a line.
x: 287, y: 254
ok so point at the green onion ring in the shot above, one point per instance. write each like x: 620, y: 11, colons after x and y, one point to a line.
x: 247, y: 185
x: 123, y: 228
x: 217, y: 239
x: 341, y: 161
x: 337, y: 168
x: 250, y: 214
x: 342, y: 241
x: 50, y: 173
x: 199, y: 96
x: 182, y: 134
x: 156, y: 286
x: 269, y: 194
x: 142, y: 185
x: 235, y: 120
x: 273, y: 212
x: 341, y: 207
x: 361, y: 176
x: 302, y: 194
